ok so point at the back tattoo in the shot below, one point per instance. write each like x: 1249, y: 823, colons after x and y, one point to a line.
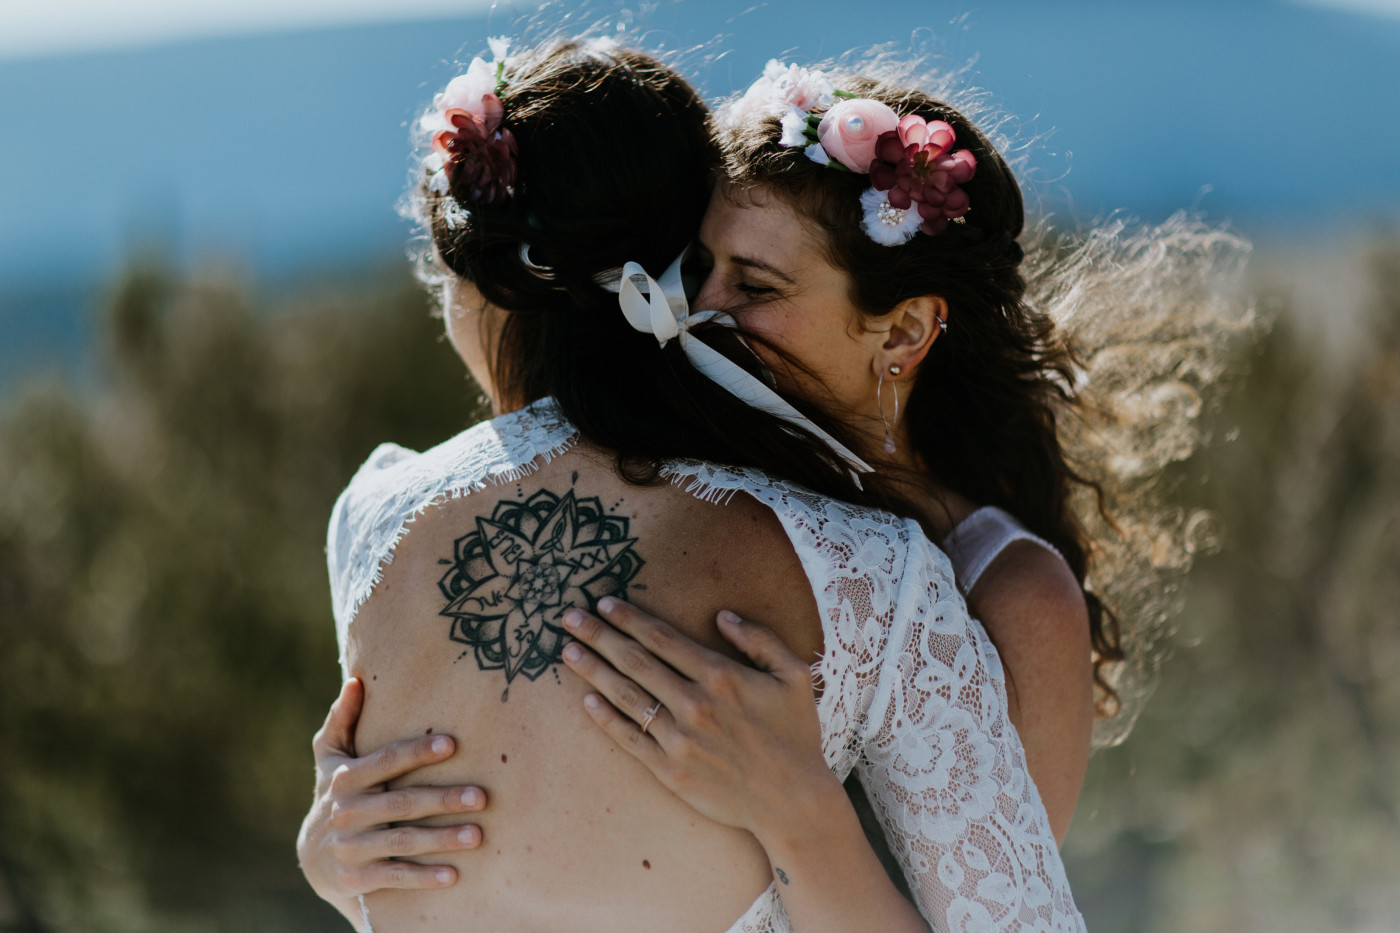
x: 511, y: 579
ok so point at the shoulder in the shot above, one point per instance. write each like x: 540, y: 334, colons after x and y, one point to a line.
x: 1028, y: 575
x: 1034, y: 612
x: 395, y: 485
x: 1030, y: 602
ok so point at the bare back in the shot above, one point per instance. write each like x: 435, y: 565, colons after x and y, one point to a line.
x: 579, y: 835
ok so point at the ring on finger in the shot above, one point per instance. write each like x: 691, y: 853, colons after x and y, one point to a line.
x: 650, y: 715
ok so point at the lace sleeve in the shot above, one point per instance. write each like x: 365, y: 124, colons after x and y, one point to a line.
x: 947, y: 775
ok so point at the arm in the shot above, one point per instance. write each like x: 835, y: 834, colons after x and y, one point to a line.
x: 743, y: 747
x: 349, y: 841
x: 1033, y: 610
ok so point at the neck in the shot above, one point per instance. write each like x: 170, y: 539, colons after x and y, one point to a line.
x: 937, y: 509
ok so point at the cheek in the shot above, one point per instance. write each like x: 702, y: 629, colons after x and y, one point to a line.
x: 781, y: 330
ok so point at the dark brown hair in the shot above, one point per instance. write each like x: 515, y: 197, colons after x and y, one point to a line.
x: 982, y: 410
x: 615, y: 164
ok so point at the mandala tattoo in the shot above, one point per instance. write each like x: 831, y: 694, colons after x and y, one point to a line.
x: 511, y: 579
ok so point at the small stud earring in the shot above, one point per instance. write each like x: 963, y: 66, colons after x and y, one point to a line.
x: 895, y: 370
x: 942, y: 325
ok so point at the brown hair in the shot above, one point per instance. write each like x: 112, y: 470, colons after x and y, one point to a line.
x: 615, y: 163
x: 982, y: 410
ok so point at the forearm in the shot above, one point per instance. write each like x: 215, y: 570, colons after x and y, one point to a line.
x: 830, y: 880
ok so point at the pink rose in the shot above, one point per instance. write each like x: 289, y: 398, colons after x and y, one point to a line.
x: 849, y: 131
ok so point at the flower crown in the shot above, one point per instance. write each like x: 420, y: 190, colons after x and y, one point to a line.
x: 470, y: 146
x: 914, y: 173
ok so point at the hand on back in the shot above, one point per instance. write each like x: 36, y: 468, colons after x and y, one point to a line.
x: 354, y: 840
x: 742, y: 745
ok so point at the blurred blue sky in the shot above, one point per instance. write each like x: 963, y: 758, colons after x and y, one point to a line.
x: 271, y: 136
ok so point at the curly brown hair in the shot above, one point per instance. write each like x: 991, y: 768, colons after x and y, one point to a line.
x: 983, y: 407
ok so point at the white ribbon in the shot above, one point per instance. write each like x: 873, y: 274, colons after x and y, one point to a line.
x: 662, y: 311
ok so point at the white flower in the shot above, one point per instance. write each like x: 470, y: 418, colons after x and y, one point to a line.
x: 464, y: 92
x: 817, y: 154
x: 886, y: 224
x: 453, y: 214
x: 781, y: 87
x: 434, y: 121
x: 499, y: 46
x: 794, y: 128
x: 803, y: 88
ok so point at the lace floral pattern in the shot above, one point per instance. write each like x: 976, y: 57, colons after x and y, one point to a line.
x: 913, y: 695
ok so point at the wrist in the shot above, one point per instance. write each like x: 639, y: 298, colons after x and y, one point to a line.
x: 807, y: 819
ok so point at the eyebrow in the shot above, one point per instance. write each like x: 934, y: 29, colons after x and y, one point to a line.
x: 763, y: 266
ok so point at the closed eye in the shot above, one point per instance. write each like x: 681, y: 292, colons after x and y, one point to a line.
x: 755, y: 290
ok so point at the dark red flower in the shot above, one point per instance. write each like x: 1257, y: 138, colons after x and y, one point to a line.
x: 478, y: 153
x: 913, y: 163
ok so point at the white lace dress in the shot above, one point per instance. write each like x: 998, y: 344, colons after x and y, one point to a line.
x: 913, y: 695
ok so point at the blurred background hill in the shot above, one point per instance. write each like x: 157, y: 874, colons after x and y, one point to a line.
x: 206, y: 323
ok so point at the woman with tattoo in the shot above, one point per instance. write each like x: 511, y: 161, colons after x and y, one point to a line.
x: 563, y: 180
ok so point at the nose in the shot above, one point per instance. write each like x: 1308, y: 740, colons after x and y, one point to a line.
x: 710, y: 297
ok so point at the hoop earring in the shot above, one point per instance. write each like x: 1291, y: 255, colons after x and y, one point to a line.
x: 880, y: 403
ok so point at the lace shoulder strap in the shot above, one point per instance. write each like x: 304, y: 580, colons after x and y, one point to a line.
x: 396, y: 484
x: 855, y: 558
x: 914, y: 694
x: 980, y: 538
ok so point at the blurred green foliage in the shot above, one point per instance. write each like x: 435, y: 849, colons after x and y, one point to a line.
x: 166, y: 648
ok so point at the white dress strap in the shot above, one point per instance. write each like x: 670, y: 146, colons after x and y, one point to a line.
x: 980, y: 538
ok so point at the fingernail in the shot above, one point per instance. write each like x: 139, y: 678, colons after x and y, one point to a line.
x: 593, y: 701
x: 572, y: 617
x: 467, y: 835
x: 442, y: 745
x: 727, y: 617
x: 443, y: 876
x: 606, y: 604
x: 572, y: 652
x: 471, y: 797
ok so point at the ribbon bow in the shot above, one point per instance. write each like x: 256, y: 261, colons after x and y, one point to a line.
x: 662, y: 311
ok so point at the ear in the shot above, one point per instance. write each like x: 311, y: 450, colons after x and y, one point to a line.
x: 913, y: 329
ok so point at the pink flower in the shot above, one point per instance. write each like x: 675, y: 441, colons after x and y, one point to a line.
x: 849, y: 131
x: 469, y: 91
x: 913, y: 163
x: 803, y: 88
